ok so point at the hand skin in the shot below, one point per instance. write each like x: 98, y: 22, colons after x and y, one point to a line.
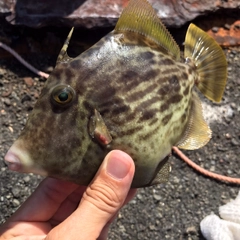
x: 60, y: 210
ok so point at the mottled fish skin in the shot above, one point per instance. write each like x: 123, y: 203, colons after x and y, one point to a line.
x: 131, y: 91
x: 142, y: 95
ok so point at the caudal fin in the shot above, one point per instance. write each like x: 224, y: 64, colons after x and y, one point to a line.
x: 210, y: 61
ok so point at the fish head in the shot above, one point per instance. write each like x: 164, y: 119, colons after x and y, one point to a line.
x: 55, y: 136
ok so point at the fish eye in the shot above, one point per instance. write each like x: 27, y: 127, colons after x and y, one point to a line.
x: 63, y: 94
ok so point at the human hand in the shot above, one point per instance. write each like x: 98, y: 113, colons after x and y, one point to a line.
x: 60, y: 210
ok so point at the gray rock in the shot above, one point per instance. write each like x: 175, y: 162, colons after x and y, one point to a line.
x: 95, y: 13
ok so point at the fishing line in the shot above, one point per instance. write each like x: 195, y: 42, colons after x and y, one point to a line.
x: 21, y: 60
x: 204, y: 171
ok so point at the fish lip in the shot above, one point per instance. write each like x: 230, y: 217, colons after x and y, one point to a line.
x: 17, y: 159
x: 12, y: 161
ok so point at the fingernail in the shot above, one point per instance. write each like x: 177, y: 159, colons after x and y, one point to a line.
x: 118, y: 165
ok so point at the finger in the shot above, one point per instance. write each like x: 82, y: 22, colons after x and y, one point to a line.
x: 45, y: 201
x: 68, y: 206
x: 104, y: 233
x: 28, y: 238
x: 101, y: 201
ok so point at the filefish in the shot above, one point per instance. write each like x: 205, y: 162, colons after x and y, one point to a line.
x: 134, y: 91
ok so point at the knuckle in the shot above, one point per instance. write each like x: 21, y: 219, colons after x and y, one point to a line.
x: 104, y: 197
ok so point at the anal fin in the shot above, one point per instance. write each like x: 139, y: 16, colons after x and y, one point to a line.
x: 198, y: 132
x: 162, y: 171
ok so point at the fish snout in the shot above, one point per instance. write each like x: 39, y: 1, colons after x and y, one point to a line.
x: 13, y: 162
x: 18, y: 159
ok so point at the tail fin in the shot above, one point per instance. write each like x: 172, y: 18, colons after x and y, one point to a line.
x: 210, y: 61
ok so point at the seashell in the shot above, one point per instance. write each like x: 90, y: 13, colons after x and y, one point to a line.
x: 214, y: 228
x: 227, y: 228
x: 231, y: 211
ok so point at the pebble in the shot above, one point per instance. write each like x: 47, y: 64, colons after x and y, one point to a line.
x: 234, y: 142
x: 10, y: 129
x: 191, y: 230
x: 7, y: 101
x: 227, y: 26
x: 152, y: 227
x: 233, y: 105
x: 15, y: 202
x: 215, y: 29
x: 139, y: 196
x: 222, y: 149
x: 15, y: 191
x: 157, y: 197
x: 26, y: 179
x: 228, y: 136
x: 28, y: 81
x: 15, y: 96
x: 26, y: 98
x: 48, y: 69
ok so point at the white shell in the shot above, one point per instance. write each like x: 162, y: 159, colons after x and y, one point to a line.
x: 231, y: 211
x: 214, y: 228
x: 228, y: 228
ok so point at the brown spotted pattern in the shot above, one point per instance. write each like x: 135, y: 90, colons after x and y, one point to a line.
x: 142, y: 94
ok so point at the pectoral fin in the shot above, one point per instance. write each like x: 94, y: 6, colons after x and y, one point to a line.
x: 98, y: 129
x: 198, y: 132
x: 63, y: 56
x: 210, y: 61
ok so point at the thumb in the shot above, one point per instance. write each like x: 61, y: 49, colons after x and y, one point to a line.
x: 102, y: 199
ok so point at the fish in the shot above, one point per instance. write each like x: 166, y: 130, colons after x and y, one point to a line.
x: 134, y: 91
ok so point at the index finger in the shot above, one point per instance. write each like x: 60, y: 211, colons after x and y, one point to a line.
x: 45, y: 201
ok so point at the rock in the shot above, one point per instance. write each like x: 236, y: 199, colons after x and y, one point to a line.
x: 7, y: 101
x: 15, y: 203
x: 95, y: 13
x: 26, y: 98
x: 157, y: 197
x: 15, y: 191
x: 235, y: 142
x: 191, y: 230
x: 28, y: 81
x: 26, y: 178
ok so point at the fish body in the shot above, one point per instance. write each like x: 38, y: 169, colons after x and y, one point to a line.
x: 131, y: 91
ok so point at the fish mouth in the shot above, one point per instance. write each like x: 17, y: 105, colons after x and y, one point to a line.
x: 12, y: 161
x: 17, y: 159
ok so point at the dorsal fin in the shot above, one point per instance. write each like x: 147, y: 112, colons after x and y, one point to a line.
x: 140, y: 17
x: 198, y: 132
x: 63, y: 56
